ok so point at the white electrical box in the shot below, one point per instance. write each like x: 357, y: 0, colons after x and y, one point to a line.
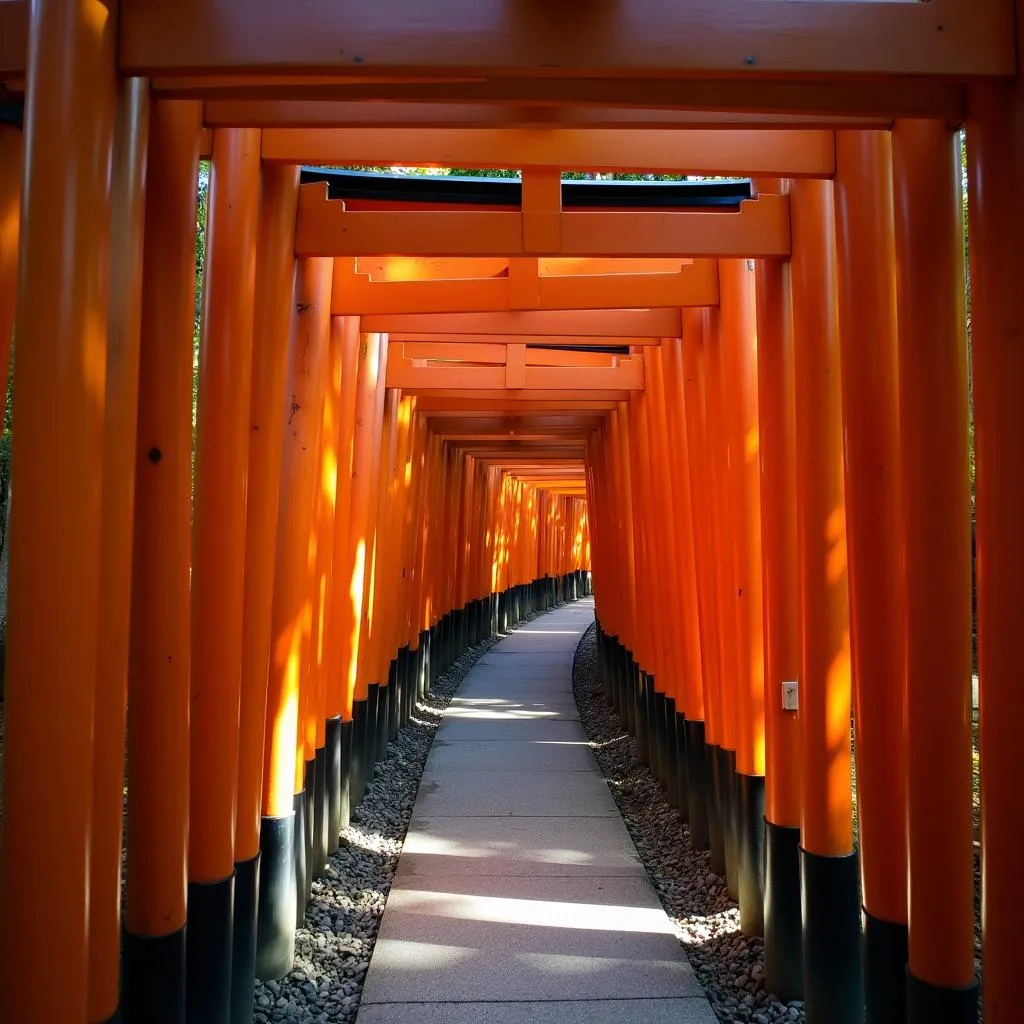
x: 790, y: 696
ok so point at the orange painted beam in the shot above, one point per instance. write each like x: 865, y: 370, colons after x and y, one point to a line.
x: 326, y: 228
x: 566, y: 340
x: 499, y: 354
x: 693, y: 284
x: 403, y: 373
x: 946, y: 37
x: 775, y: 153
x: 397, y: 115
x: 551, y: 325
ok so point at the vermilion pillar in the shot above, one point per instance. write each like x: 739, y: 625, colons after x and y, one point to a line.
x: 325, y: 503
x: 828, y: 870
x: 338, y: 707
x: 740, y: 342
x: 682, y: 501
x: 262, y: 870
x: 694, y: 373
x: 282, y: 835
x: 870, y: 373
x: 153, y: 985
x: 128, y: 217
x: 777, y: 446
x: 933, y: 418
x: 722, y: 443
x: 218, y: 563
x: 55, y: 556
x: 995, y: 168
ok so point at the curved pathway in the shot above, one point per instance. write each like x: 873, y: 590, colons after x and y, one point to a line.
x: 518, y: 882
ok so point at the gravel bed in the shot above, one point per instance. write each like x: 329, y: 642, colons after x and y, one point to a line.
x: 332, y: 950
x: 729, y: 965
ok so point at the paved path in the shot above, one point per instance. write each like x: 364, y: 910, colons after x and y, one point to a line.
x: 518, y: 882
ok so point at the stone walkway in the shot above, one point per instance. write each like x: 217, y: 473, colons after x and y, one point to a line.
x: 518, y: 882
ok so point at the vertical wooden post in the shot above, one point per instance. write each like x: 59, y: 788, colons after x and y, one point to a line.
x: 777, y: 415
x: 122, y: 403
x: 693, y: 419
x: 870, y: 374
x: 338, y: 634
x: 55, y: 557
x: 672, y: 406
x: 722, y: 444
x: 218, y: 563
x: 995, y: 169
x: 740, y: 343
x: 365, y: 452
x: 282, y: 829
x: 933, y: 420
x: 828, y: 871
x: 263, y: 866
x: 153, y: 983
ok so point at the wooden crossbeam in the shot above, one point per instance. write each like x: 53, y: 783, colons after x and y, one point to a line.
x: 569, y: 340
x: 549, y: 325
x: 642, y: 37
x: 325, y: 227
x: 398, y: 115
x: 413, y: 375
x: 774, y: 153
x: 693, y: 284
x: 477, y: 405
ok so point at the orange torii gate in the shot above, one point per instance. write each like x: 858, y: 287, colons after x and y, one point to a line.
x: 813, y: 411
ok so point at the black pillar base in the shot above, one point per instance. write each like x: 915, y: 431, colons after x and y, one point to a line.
x: 937, y: 1004
x: 373, y: 702
x: 334, y: 759
x: 276, y: 914
x: 885, y: 970
x: 696, y: 783
x: 321, y: 813
x: 299, y: 857
x: 310, y: 789
x: 243, y: 952
x: 833, y: 969
x: 783, y: 942
x: 357, y: 755
x: 673, y: 756
x: 716, y: 825
x: 395, y: 702
x: 346, y: 732
x: 750, y: 819
x: 208, y: 950
x: 730, y: 824
x: 385, y: 694
x: 153, y: 979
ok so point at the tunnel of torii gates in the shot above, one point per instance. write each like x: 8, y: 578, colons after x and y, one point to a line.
x: 739, y: 412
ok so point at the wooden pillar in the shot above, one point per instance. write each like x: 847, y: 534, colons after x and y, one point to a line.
x: 122, y: 403
x: 263, y: 868
x: 338, y: 706
x: 218, y: 563
x: 55, y: 557
x: 995, y: 170
x: 933, y: 422
x: 828, y: 872
x: 722, y: 444
x: 870, y: 375
x: 777, y: 418
x: 283, y: 804
x: 692, y: 418
x: 153, y: 983
x: 740, y: 355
